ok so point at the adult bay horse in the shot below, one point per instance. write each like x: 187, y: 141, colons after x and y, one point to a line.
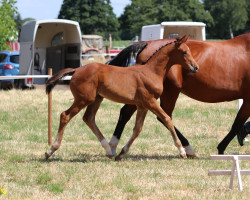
x: 140, y: 85
x: 224, y: 75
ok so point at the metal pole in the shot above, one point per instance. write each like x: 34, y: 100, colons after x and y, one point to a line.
x: 50, y: 113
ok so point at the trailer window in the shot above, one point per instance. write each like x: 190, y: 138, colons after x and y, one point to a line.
x: 57, y: 39
x: 173, y: 35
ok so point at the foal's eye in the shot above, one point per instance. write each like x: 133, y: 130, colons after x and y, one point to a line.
x: 184, y: 52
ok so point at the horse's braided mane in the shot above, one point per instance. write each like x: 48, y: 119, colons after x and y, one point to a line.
x: 157, y: 51
x: 123, y: 58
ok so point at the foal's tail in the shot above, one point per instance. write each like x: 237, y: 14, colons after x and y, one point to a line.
x: 50, y: 84
x: 123, y: 58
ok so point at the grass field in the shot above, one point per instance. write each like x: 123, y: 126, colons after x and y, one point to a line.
x: 79, y: 169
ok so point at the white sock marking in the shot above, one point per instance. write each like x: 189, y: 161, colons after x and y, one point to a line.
x: 106, y: 146
x: 113, y: 144
x: 182, y: 151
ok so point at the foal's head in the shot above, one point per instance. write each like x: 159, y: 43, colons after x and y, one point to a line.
x: 182, y: 55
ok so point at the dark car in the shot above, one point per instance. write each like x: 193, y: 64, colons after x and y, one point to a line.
x: 9, y: 66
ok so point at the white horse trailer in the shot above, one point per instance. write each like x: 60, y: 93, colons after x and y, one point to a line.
x: 52, y: 43
x: 195, y: 30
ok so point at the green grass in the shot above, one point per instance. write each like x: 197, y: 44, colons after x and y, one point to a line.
x: 118, y: 43
x: 80, y: 170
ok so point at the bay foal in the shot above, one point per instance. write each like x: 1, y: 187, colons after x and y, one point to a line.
x: 140, y: 85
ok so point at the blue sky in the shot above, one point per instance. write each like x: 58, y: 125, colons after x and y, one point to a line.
x: 49, y: 9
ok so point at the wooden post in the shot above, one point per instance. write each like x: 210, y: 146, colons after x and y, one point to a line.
x: 50, y: 112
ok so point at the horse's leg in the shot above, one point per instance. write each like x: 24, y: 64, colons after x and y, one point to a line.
x: 239, y: 121
x: 140, y: 117
x: 154, y: 107
x: 168, y: 100
x: 66, y: 116
x: 89, y: 119
x: 125, y: 114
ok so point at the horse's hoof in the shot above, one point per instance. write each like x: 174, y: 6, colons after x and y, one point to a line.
x: 183, y: 156
x: 109, y: 156
x: 118, y: 158
x: 191, y: 155
x: 47, y: 156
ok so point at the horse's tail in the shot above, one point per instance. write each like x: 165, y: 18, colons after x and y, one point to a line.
x: 50, y: 84
x: 123, y: 58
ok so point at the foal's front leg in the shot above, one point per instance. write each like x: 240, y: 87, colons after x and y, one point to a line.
x: 155, y: 108
x: 89, y: 119
x: 140, y: 117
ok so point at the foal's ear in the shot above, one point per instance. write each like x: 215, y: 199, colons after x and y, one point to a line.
x: 180, y: 41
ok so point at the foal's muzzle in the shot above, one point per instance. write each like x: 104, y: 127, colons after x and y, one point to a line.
x: 193, y: 68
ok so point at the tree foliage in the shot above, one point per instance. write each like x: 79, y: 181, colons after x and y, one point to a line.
x: 8, y: 30
x: 19, y: 21
x: 136, y: 15
x: 146, y: 12
x: 229, y: 16
x: 222, y: 17
x: 94, y: 16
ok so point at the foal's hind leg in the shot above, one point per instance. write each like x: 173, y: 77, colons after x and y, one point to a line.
x: 89, y: 119
x: 66, y: 116
x: 154, y: 107
x: 140, y: 117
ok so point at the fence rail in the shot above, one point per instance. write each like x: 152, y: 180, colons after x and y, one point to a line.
x: 30, y: 76
x: 235, y: 168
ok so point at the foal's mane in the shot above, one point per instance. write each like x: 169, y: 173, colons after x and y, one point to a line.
x: 158, y: 51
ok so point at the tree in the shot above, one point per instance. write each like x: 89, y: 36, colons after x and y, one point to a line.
x: 136, y: 15
x: 183, y: 10
x: 247, y: 28
x: 8, y: 31
x: 229, y: 16
x: 146, y: 12
x: 94, y: 16
x: 19, y: 21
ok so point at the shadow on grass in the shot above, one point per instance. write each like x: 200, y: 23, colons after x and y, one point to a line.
x: 90, y: 158
x: 160, y: 157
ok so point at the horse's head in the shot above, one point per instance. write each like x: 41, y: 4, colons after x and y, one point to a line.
x: 182, y: 55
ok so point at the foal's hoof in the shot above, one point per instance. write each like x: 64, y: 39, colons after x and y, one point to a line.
x: 47, y: 156
x: 190, y: 152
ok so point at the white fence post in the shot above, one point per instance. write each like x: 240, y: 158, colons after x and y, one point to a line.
x: 235, y: 168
